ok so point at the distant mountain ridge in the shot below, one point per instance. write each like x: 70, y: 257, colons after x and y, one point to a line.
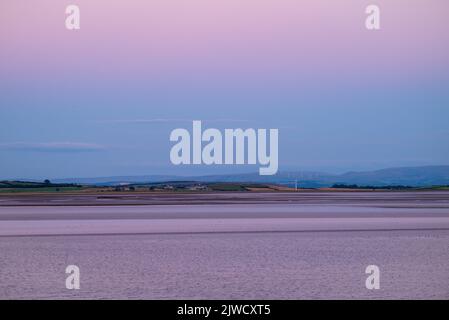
x: 407, y: 176
x: 413, y: 176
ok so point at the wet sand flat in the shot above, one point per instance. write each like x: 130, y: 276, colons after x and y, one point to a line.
x: 389, y: 198
x: 235, y: 212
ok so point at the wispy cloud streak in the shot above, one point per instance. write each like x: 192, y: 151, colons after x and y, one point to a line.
x: 52, y: 146
x: 168, y: 120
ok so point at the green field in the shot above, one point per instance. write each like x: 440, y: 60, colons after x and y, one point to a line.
x: 48, y: 189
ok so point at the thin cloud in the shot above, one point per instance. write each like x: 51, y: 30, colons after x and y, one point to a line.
x: 137, y: 121
x: 168, y: 120
x: 52, y: 146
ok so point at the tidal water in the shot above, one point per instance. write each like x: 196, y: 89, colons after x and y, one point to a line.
x: 320, y: 265
x: 295, y: 248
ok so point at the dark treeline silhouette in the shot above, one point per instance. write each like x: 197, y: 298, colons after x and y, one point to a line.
x: 27, y: 184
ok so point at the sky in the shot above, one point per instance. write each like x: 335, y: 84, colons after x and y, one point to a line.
x: 102, y: 100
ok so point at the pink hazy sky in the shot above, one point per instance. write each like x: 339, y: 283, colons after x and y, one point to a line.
x: 344, y: 97
x: 232, y: 38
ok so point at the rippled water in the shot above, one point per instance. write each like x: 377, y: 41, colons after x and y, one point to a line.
x: 291, y: 265
x: 227, y: 246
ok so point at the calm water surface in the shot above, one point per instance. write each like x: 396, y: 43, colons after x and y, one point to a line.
x: 231, y: 246
x: 215, y: 266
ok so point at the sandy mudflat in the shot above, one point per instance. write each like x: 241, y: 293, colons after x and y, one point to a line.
x: 407, y: 199
x: 224, y: 212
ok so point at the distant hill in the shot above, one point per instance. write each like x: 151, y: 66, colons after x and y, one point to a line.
x: 407, y: 176
x: 411, y: 176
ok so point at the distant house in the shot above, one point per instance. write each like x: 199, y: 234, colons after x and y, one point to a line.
x: 197, y: 187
